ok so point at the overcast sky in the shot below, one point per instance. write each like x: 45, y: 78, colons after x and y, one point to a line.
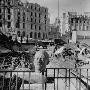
x: 64, y: 6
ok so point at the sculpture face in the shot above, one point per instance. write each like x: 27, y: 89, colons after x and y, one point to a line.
x: 40, y: 61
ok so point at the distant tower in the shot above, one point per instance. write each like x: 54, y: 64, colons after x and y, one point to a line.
x: 58, y: 19
x: 64, y: 23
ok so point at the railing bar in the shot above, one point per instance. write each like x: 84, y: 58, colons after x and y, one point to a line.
x: 54, y: 78
x: 69, y: 79
x: 10, y: 81
x: 42, y: 80
x: 80, y: 81
x: 16, y: 80
x: 57, y: 78
x: 46, y: 78
x: 29, y: 80
x: 87, y: 78
x: 76, y: 79
x: 3, y: 81
x: 66, y: 80
x: 23, y: 81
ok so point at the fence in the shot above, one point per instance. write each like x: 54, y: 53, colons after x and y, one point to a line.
x: 68, y: 79
x: 56, y: 79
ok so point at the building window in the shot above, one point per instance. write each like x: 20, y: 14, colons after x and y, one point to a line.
x: 23, y: 33
x: 39, y: 20
x: 39, y: 35
x: 9, y: 17
x: 45, y: 21
x: 17, y: 25
x: 0, y: 24
x: 23, y: 25
x: 31, y: 6
x: 35, y: 27
x: 0, y: 2
x: 45, y: 28
x: 0, y: 16
x: 18, y: 33
x: 31, y: 19
x: 8, y: 2
x: 9, y: 24
x: 46, y: 35
x: 31, y: 26
x: 35, y: 20
x: 23, y: 18
x: 31, y: 13
x: 18, y: 13
x: 84, y: 21
x: 45, y: 10
x: 39, y: 27
x: 39, y: 15
x: 43, y: 36
x: 45, y: 17
x: 39, y: 9
x: 35, y: 8
x: 31, y: 34
x: 8, y: 10
x: 0, y: 10
x: 35, y: 35
x: 35, y: 14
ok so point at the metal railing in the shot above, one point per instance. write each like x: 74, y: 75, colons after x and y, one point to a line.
x: 56, y: 79
x: 68, y: 79
x: 13, y: 80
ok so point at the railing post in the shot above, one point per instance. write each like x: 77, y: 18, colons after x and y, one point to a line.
x: 42, y: 80
x: 46, y: 78
x: 10, y: 80
x: 54, y: 78
x: 16, y: 81
x: 23, y: 81
x: 80, y: 81
x: 69, y: 79
x: 29, y: 79
x: 76, y: 79
x: 57, y: 78
x: 66, y: 80
x: 87, y: 78
x: 3, y: 81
